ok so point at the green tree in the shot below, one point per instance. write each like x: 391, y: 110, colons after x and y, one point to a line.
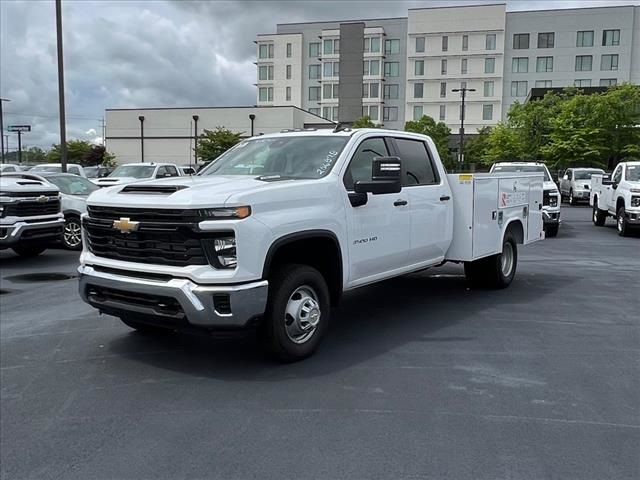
x: 364, y: 122
x: 439, y: 133
x: 77, y: 150
x: 98, y: 155
x: 213, y: 143
x: 34, y: 155
x: 476, y: 145
x: 503, y: 144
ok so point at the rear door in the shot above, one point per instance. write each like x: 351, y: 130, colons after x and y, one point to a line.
x: 379, y: 230
x: 430, y: 202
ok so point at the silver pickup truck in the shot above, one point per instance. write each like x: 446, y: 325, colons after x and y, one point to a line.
x: 575, y: 184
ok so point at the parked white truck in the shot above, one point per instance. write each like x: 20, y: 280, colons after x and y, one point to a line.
x: 274, y: 231
x: 618, y: 196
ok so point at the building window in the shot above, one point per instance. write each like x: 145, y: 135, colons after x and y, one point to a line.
x: 546, y: 40
x: 489, y: 65
x: 327, y: 48
x: 417, y: 112
x: 488, y: 89
x: 463, y: 85
x: 582, y: 83
x: 463, y: 66
x: 331, y: 69
x: 330, y: 90
x: 390, y: 114
x: 520, y: 65
x: 490, y: 41
x: 610, y: 38
x: 266, y: 94
x: 487, y: 112
x: 584, y: 38
x: 609, y: 62
x: 263, y: 50
x: 371, y: 67
x: 314, y: 94
x: 465, y: 43
x: 372, y: 45
x: 370, y: 111
x: 445, y: 43
x: 334, y: 114
x: 370, y: 90
x: 326, y: 112
x: 520, y: 41
x: 419, y: 67
x: 544, y: 64
x: 583, y: 63
x: 519, y: 88
x: 419, y: 44
x: 288, y: 72
x: 391, y: 69
x: 443, y: 112
x: 543, y: 83
x: 263, y: 72
x: 314, y: 49
x: 391, y: 46
x: 315, y: 72
x: 315, y: 111
x: 608, y: 82
x: 289, y: 46
x: 443, y: 89
x: 443, y: 66
x: 288, y: 94
x: 391, y: 91
x: 418, y: 89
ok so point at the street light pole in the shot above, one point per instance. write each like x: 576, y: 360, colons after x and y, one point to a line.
x: 463, y: 91
x: 141, y: 118
x: 63, y: 130
x: 2, y: 128
x: 195, y: 138
x: 252, y: 117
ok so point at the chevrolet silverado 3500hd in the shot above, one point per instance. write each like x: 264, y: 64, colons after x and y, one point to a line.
x: 618, y: 196
x: 273, y: 232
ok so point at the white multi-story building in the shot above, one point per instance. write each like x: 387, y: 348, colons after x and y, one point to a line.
x: 398, y: 69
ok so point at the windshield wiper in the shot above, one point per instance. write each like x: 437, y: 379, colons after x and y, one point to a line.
x: 275, y: 178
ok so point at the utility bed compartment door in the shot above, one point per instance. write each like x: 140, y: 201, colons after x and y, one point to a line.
x: 486, y: 232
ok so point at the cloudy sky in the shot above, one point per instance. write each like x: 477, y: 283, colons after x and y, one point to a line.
x: 156, y: 53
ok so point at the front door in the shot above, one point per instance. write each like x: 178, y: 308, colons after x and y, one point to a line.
x: 378, y: 230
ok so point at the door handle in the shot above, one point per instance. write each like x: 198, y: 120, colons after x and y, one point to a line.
x: 444, y: 198
x: 400, y: 203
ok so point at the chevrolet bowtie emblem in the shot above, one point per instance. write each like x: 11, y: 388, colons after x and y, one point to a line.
x: 125, y: 225
x: 42, y: 199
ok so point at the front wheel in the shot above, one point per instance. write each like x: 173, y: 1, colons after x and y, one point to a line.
x: 72, y: 233
x: 551, y: 230
x: 29, y: 250
x: 297, y: 313
x: 599, y: 216
x: 622, y: 224
x: 496, y: 271
x: 572, y: 200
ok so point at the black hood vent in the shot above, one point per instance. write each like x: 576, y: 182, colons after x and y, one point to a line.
x: 153, y: 189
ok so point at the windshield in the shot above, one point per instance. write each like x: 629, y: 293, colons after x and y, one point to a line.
x: 288, y: 157
x: 633, y: 173
x: 47, y: 168
x: 135, y: 171
x: 72, y: 184
x: 586, y: 174
x: 91, y: 172
x: 522, y: 169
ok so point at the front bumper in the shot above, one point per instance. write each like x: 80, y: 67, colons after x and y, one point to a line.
x: 30, y: 231
x: 174, y: 301
x: 581, y: 194
x: 550, y: 216
x: 633, y: 216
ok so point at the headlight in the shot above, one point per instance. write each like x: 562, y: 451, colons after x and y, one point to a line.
x: 635, y: 201
x: 553, y: 201
x: 635, y: 190
x: 227, y: 213
x: 225, y: 248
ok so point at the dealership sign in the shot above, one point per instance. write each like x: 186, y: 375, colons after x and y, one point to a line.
x: 19, y: 128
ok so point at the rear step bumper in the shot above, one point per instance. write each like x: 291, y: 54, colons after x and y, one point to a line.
x: 176, y: 299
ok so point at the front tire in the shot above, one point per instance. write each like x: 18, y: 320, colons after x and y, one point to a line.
x: 29, y: 251
x: 599, y: 216
x: 297, y: 313
x: 621, y: 222
x: 551, y: 230
x: 496, y: 271
x: 72, y: 233
x: 572, y: 200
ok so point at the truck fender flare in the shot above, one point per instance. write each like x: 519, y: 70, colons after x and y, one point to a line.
x: 519, y: 230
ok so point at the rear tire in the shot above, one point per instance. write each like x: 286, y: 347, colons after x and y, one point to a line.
x: 144, y: 327
x: 496, y: 271
x: 551, y: 231
x: 621, y: 223
x: 599, y: 216
x: 29, y: 250
x: 297, y: 314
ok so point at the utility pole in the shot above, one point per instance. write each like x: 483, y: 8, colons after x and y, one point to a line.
x: 63, y: 129
x: 19, y: 147
x: 195, y: 139
x: 463, y: 91
x: 141, y: 118
x: 2, y: 129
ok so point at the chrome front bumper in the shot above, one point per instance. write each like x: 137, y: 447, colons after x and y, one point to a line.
x: 550, y: 216
x: 199, y: 305
x: 12, y: 234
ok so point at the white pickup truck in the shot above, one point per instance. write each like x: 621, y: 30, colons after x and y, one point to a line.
x: 618, y: 196
x: 273, y: 232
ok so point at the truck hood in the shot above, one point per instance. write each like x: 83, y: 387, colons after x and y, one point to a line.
x: 17, y: 184
x: 181, y: 192
x: 550, y: 186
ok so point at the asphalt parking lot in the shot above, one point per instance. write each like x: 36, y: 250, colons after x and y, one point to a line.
x: 419, y: 378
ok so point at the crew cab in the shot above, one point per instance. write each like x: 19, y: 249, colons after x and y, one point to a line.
x: 278, y: 227
x: 551, y: 196
x: 30, y: 218
x: 618, y: 197
x: 136, y: 172
x: 575, y: 184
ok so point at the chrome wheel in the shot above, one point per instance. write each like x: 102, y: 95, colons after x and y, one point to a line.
x: 571, y: 197
x: 506, y: 259
x: 302, y: 314
x: 620, y: 222
x: 595, y: 213
x: 72, y: 234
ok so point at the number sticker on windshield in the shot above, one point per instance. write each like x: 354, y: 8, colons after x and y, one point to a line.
x: 328, y: 161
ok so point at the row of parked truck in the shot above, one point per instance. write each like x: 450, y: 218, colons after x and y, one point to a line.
x: 271, y: 234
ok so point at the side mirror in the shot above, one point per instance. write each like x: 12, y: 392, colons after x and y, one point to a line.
x: 385, y: 177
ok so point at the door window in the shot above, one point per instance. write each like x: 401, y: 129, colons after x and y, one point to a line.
x: 361, y: 166
x: 172, y: 170
x: 617, y: 175
x: 161, y: 172
x: 416, y: 164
